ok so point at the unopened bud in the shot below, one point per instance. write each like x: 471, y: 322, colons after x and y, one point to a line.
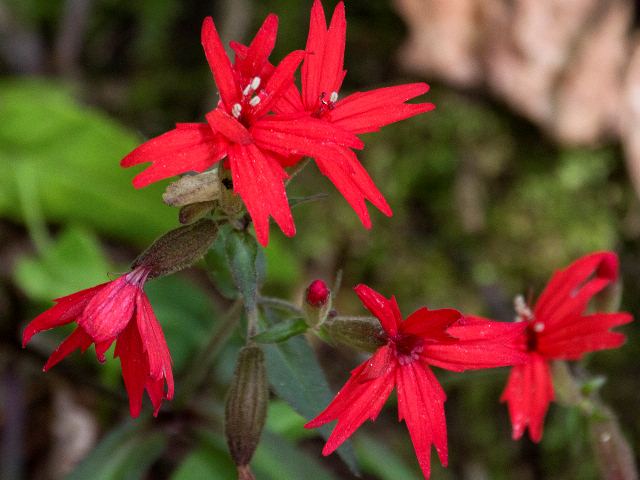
x: 361, y: 333
x: 246, y: 407
x: 317, y: 303
x: 178, y: 249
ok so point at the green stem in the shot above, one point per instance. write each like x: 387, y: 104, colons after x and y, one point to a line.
x: 281, y: 304
x: 297, y: 169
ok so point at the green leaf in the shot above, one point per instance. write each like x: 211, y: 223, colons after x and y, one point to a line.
x: 209, y: 460
x: 296, y: 377
x: 242, y: 255
x: 74, y: 262
x: 282, y: 331
x: 378, y: 459
x: 73, y: 153
x: 125, y: 453
x: 218, y: 267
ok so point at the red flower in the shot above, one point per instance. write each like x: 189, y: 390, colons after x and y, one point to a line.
x: 558, y: 329
x: 441, y: 338
x: 115, y: 311
x: 362, y: 112
x: 240, y: 129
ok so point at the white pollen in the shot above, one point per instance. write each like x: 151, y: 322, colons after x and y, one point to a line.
x: 255, y: 83
x: 334, y: 97
x: 235, y: 111
x: 254, y: 101
x: 538, y: 327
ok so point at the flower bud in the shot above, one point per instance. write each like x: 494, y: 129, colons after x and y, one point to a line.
x: 230, y: 202
x: 246, y: 407
x: 361, y: 333
x: 195, y: 211
x: 317, y: 303
x: 178, y: 249
x: 203, y: 187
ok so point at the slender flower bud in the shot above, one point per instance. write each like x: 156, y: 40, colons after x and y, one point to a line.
x: 246, y: 407
x: 203, y: 187
x: 195, y: 211
x: 361, y: 333
x: 178, y: 249
x: 317, y: 303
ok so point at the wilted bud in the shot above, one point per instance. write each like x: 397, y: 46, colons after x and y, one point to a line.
x: 178, y: 249
x: 195, y: 211
x: 246, y: 408
x: 317, y: 303
x: 362, y: 333
x: 203, y: 187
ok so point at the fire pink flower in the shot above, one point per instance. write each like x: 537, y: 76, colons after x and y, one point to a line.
x: 362, y: 112
x: 115, y: 311
x: 558, y: 329
x: 240, y: 130
x: 441, y: 338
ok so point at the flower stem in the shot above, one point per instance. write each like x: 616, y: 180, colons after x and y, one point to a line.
x: 297, y: 169
x: 281, y: 304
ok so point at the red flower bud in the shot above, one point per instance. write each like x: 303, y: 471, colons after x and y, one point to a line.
x: 317, y: 293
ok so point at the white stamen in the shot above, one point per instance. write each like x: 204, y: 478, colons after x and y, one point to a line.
x: 255, y: 83
x: 333, y: 98
x: 236, y: 109
x: 523, y: 311
x: 538, y: 327
x: 247, y: 90
x: 254, y: 101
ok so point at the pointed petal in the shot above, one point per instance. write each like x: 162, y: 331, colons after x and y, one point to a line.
x: 528, y: 393
x: 220, y: 64
x: 65, y: 311
x: 188, y: 147
x: 134, y: 365
x: 259, y: 180
x: 481, y: 343
x: 421, y: 405
x: 431, y: 324
x: 110, y: 310
x: 223, y: 123
x: 77, y: 340
x: 257, y: 54
x: 380, y: 364
x: 332, y: 72
x: 364, y: 112
x: 155, y: 346
x: 301, y: 134
x: 348, y: 175
x: 569, y: 290
x: 279, y: 83
x: 386, y: 310
x: 358, y: 400
x: 582, y: 334
x: 313, y: 63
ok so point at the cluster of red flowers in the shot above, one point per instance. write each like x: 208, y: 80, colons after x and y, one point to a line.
x: 263, y: 124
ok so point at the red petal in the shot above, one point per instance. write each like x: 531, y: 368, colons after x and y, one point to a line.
x: 67, y: 309
x: 313, y: 64
x: 569, y: 290
x: 223, y: 123
x: 528, y: 394
x: 380, y: 364
x: 189, y: 147
x: 358, y: 400
x: 302, y: 135
x: 134, y: 364
x: 254, y: 58
x: 581, y: 334
x: 220, y: 64
x: 279, y: 83
x: 431, y: 324
x: 421, y: 405
x: 77, y: 339
x: 259, y: 180
x: 348, y: 175
x: 110, y: 310
x: 155, y: 346
x: 481, y: 343
x: 386, y: 310
x: 364, y: 112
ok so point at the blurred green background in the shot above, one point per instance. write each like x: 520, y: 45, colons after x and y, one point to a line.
x: 485, y: 207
